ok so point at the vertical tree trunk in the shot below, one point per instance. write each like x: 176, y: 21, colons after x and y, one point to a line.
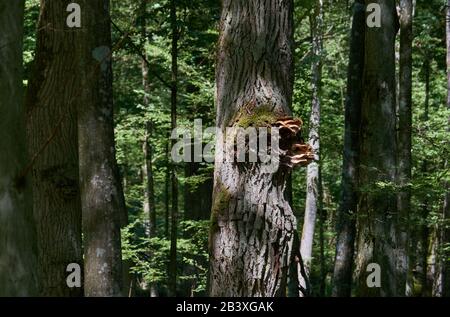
x: 18, y: 258
x: 346, y: 223
x: 427, y: 244
x: 52, y: 100
x: 404, y: 158
x: 379, y: 231
x: 312, y: 176
x: 197, y: 199
x: 322, y: 227
x: 173, y: 176
x: 101, y: 190
x: 167, y: 192
x: 433, y: 264
x: 446, y: 208
x: 149, y: 193
x: 252, y: 225
x: 147, y: 169
x: 423, y: 231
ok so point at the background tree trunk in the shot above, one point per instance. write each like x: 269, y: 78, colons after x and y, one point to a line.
x: 18, y: 258
x: 52, y: 100
x: 404, y: 159
x: 378, y: 222
x: 252, y: 223
x: 322, y: 221
x: 101, y: 190
x: 346, y: 223
x: 173, y: 175
x: 422, y: 231
x: 149, y: 195
x: 149, y: 191
x: 167, y: 191
x: 313, y: 187
x: 198, y: 197
x: 446, y: 208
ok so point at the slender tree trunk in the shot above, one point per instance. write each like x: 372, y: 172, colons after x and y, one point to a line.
x: 322, y: 223
x: 346, y: 223
x: 423, y: 232
x: 101, y: 190
x: 379, y: 231
x: 404, y: 130
x: 427, y: 71
x: 446, y: 208
x: 52, y: 100
x: 429, y: 235
x: 149, y: 192
x: 174, y: 210
x: 252, y: 225
x: 18, y: 254
x: 433, y: 263
x: 167, y: 193
x: 312, y: 177
x: 191, y: 201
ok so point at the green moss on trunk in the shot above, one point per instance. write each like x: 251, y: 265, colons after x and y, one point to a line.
x: 263, y: 116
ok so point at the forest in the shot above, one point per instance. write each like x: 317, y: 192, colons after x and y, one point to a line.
x: 224, y: 148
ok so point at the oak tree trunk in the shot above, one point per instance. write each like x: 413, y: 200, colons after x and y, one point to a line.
x: 252, y: 225
x: 18, y: 254
x: 404, y: 158
x: 380, y: 233
x: 53, y: 98
x: 346, y: 223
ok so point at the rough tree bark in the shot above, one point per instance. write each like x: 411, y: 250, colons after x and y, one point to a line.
x: 404, y: 158
x: 252, y: 225
x: 52, y: 100
x: 379, y: 232
x: 346, y: 224
x: 313, y: 186
x: 101, y: 190
x: 172, y: 283
x: 18, y: 254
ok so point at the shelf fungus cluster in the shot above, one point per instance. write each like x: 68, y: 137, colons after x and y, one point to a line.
x: 291, y: 150
x: 294, y: 150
